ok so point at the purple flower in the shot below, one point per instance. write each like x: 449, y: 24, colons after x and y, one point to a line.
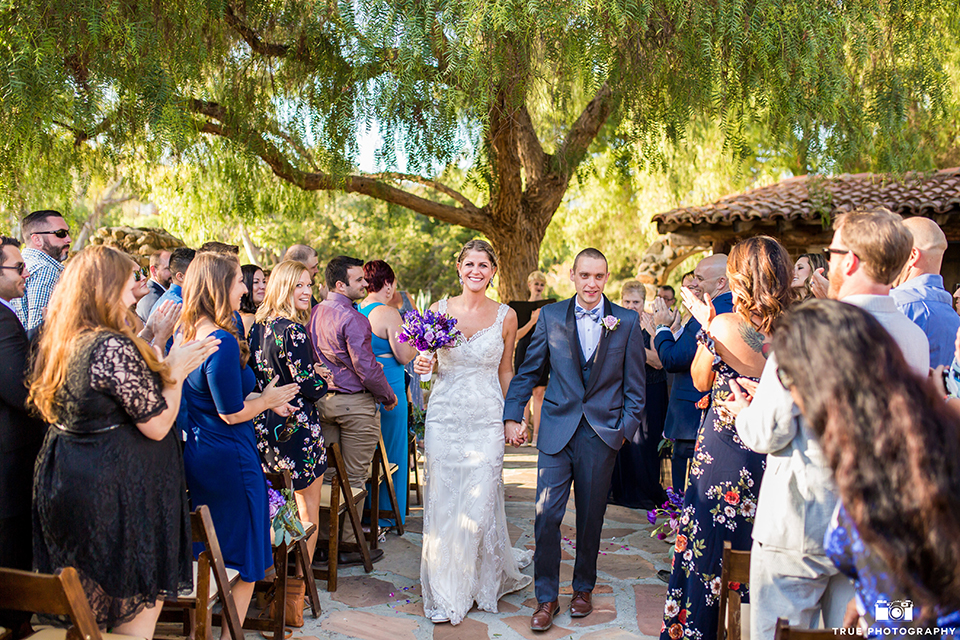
x: 429, y: 331
x: 276, y: 501
x: 652, y: 517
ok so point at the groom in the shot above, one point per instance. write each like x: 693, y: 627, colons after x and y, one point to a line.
x: 593, y: 402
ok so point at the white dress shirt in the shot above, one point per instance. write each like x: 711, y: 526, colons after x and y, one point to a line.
x: 588, y: 330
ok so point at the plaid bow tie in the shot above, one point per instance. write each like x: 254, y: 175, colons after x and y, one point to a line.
x: 593, y: 314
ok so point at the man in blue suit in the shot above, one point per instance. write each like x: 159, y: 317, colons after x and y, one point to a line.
x: 676, y: 354
x: 594, y: 400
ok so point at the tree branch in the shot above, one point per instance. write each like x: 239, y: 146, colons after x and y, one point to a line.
x: 225, y: 126
x: 532, y: 156
x: 252, y: 38
x: 432, y: 184
x: 584, y: 130
x: 80, y: 136
x: 507, y: 188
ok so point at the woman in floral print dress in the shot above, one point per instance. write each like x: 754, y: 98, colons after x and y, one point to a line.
x: 281, y: 347
x: 721, y: 498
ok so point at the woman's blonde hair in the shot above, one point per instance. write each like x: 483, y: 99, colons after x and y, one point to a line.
x: 633, y: 285
x: 278, y: 300
x: 536, y: 276
x: 89, y: 297
x: 206, y: 294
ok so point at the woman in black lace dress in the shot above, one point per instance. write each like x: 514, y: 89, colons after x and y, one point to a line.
x: 109, y: 491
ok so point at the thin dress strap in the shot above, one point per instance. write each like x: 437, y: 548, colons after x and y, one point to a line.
x: 442, y: 307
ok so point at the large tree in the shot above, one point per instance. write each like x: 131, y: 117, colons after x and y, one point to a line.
x: 510, y: 94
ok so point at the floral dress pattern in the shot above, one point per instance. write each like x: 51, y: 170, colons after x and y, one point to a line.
x: 282, y: 348
x: 720, y: 504
x: 877, y: 591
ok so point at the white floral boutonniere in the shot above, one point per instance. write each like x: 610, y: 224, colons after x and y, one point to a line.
x: 610, y: 323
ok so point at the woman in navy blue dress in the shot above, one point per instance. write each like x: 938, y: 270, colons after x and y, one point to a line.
x: 894, y: 448
x: 721, y: 497
x: 220, y: 455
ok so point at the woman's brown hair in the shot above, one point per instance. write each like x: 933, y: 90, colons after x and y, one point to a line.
x: 88, y: 297
x: 206, y: 294
x: 759, y: 271
x: 893, y: 444
x: 278, y: 300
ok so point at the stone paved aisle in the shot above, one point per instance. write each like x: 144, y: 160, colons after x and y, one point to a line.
x: 386, y: 604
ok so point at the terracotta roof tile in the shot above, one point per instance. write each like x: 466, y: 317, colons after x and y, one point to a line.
x: 804, y: 197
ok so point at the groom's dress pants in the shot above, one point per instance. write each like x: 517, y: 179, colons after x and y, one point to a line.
x: 586, y: 462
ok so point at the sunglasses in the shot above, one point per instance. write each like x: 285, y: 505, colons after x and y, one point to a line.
x: 140, y: 274
x: 827, y: 251
x: 285, y: 431
x: 60, y: 233
x: 19, y: 267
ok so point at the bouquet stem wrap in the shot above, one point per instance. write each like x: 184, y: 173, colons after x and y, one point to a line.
x: 426, y: 379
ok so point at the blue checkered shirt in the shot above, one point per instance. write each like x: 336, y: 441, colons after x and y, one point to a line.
x: 44, y: 276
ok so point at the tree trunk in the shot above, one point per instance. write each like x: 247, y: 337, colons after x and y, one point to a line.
x: 518, y: 247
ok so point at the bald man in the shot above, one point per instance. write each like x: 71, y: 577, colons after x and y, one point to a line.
x: 676, y: 354
x: 920, y: 294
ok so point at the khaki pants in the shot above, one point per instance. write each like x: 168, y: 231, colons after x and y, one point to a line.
x: 352, y: 421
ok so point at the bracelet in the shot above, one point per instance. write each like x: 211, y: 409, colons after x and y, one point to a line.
x: 659, y: 326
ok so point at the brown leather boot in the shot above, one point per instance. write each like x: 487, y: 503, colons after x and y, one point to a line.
x: 543, y: 617
x: 580, y: 606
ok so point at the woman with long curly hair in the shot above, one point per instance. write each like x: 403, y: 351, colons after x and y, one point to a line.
x: 220, y: 455
x: 280, y: 346
x: 803, y: 270
x: 721, y: 497
x: 894, y: 448
x: 110, y: 470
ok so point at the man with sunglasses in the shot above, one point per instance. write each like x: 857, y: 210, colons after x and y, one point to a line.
x: 46, y: 237
x: 20, y: 434
x: 790, y: 575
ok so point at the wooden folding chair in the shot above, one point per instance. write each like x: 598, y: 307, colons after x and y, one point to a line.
x: 381, y: 470
x: 415, y: 485
x: 60, y: 595
x: 736, y: 568
x: 786, y: 632
x: 281, y: 553
x: 208, y: 565
x: 338, y: 498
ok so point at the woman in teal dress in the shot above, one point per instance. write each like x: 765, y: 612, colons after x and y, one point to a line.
x: 385, y: 322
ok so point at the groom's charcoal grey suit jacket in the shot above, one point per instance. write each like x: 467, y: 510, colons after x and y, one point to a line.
x: 608, y: 390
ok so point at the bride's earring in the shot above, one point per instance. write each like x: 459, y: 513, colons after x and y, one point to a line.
x: 460, y: 278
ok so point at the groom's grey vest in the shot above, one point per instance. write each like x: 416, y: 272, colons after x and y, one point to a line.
x: 608, y: 389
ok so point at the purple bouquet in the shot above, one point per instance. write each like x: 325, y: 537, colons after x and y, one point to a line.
x: 428, y: 333
x: 671, y: 510
x: 284, y: 516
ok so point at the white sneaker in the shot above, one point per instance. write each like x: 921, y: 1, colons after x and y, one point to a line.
x: 439, y: 619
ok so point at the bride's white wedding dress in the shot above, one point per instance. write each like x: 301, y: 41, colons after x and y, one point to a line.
x: 467, y: 555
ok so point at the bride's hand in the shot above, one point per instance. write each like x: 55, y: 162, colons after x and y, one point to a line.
x: 424, y: 364
x: 514, y: 432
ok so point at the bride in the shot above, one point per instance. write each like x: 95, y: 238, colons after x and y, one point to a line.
x: 467, y: 555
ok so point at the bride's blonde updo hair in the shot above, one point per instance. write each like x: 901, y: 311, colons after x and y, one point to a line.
x: 478, y: 245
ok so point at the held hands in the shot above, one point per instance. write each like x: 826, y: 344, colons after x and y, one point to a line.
x: 185, y: 357
x: 514, y: 433
x: 275, y: 397
x: 392, y: 405
x: 324, y: 373
x: 819, y: 285
x: 702, y: 310
x: 424, y: 364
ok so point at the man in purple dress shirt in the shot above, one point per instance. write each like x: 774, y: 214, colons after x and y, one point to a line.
x: 341, y: 338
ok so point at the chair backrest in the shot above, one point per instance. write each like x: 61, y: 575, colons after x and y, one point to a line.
x: 51, y: 595
x: 786, y: 632
x: 212, y: 559
x: 736, y: 568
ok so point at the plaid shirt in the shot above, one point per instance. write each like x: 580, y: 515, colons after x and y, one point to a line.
x: 44, y: 276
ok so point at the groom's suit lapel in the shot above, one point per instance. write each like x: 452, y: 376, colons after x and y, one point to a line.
x: 601, y: 351
x: 573, y: 338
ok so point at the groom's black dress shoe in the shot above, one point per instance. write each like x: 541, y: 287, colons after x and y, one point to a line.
x: 543, y: 617
x: 580, y: 606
